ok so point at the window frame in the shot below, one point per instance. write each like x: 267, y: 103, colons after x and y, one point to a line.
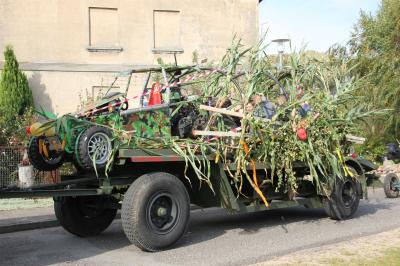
x: 98, y: 48
x: 165, y: 50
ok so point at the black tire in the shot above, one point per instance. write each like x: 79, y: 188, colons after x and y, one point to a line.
x: 155, y: 211
x: 390, y: 191
x: 86, y: 215
x: 85, y: 148
x: 345, y: 198
x: 79, y: 169
x: 39, y: 161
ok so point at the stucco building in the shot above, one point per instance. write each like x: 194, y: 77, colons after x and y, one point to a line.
x: 70, y: 47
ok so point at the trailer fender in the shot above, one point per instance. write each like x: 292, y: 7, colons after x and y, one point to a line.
x: 361, y: 175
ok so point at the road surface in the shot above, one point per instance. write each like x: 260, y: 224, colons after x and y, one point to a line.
x: 214, y: 238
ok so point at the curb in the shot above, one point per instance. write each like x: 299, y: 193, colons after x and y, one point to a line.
x: 32, y: 225
x: 28, y: 226
x: 40, y: 222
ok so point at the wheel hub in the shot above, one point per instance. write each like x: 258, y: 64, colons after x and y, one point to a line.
x: 99, y: 148
x: 161, y: 211
x: 162, y: 214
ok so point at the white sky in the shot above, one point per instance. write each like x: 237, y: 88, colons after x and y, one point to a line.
x: 318, y: 24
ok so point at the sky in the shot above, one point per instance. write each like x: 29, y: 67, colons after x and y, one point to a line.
x: 318, y: 24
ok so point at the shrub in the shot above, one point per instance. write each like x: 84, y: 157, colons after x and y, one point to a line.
x: 16, y: 99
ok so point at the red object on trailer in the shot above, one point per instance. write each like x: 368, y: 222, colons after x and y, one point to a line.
x: 302, y: 134
x: 155, y: 94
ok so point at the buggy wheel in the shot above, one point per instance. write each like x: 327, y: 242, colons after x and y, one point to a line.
x: 78, y: 168
x: 389, y: 185
x: 86, y: 215
x: 94, y: 147
x: 40, y: 161
x: 345, y: 197
x: 155, y: 211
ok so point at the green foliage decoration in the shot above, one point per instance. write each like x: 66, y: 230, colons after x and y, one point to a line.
x: 325, y: 86
x: 335, y: 111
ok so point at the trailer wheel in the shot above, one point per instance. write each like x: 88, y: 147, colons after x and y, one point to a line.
x: 155, y: 211
x: 345, y: 197
x: 53, y: 161
x: 86, y: 215
x: 389, y: 185
x: 94, y: 142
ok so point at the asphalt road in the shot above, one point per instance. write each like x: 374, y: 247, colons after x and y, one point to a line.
x: 214, y: 238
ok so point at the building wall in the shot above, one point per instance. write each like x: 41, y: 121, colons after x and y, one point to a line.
x: 53, y: 38
x: 56, y: 91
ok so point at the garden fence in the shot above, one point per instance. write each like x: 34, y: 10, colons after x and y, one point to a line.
x: 10, y: 158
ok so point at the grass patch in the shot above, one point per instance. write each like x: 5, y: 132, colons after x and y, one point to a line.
x: 389, y: 257
x: 382, y: 249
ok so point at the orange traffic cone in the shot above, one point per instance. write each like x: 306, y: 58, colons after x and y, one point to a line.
x: 155, y: 94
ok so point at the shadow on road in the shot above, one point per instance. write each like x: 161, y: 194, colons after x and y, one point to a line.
x: 211, y: 223
x: 54, y: 245
x: 369, y: 208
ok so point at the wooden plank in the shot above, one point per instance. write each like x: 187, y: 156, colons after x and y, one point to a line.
x: 221, y: 111
x: 355, y: 139
x: 216, y: 133
x: 232, y: 113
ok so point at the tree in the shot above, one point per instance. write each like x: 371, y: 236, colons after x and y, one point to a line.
x: 15, y: 95
x: 375, y: 48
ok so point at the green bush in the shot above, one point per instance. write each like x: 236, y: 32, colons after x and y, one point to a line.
x: 375, y: 50
x: 14, y: 132
x: 16, y: 101
x: 372, y: 150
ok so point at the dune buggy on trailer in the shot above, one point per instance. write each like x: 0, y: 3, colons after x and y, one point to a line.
x: 85, y: 137
x: 154, y: 160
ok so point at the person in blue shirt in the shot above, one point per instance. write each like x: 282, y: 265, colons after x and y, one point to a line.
x: 262, y: 107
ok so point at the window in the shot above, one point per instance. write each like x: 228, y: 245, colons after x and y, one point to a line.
x: 103, y: 29
x: 167, y: 30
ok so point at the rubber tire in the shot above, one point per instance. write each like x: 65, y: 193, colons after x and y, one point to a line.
x: 79, y: 169
x: 134, y: 211
x: 81, y: 152
x: 334, y: 207
x: 386, y: 186
x: 37, y: 160
x: 70, y: 217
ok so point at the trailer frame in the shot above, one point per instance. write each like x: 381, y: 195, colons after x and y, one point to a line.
x: 132, y: 165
